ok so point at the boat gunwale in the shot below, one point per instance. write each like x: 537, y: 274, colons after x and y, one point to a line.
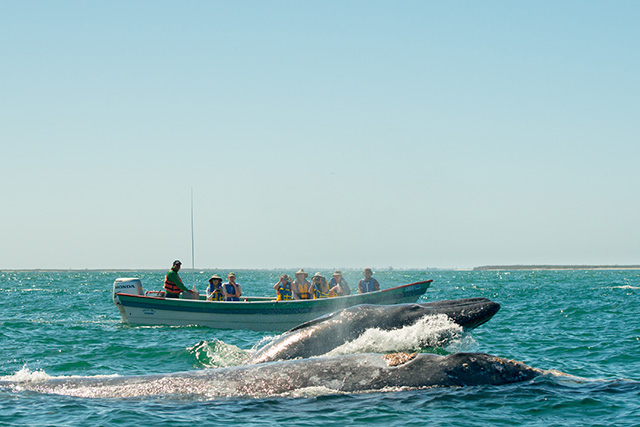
x: 313, y: 301
x: 275, y: 307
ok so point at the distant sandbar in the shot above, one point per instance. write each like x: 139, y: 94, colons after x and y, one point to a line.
x: 556, y: 267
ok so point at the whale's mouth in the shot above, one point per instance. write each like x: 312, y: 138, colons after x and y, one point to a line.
x: 396, y: 359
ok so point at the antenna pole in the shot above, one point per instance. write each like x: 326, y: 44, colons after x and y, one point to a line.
x: 193, y: 262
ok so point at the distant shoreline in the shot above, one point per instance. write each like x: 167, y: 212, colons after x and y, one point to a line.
x: 426, y: 269
x: 555, y: 267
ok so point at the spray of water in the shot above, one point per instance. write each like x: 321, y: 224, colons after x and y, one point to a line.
x: 25, y: 375
x: 430, y: 331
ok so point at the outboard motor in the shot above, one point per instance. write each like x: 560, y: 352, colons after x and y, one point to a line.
x: 127, y: 286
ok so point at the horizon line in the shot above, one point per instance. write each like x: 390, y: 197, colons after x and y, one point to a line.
x: 492, y: 267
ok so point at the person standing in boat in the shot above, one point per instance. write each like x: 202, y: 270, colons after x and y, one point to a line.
x: 231, y: 289
x: 368, y: 284
x: 173, y: 285
x: 321, y: 286
x: 301, y: 287
x: 214, y: 290
x: 338, y: 285
x: 283, y: 288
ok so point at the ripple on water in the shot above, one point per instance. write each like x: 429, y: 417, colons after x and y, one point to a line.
x: 581, y: 323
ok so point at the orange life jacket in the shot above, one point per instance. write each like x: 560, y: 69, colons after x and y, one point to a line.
x: 171, y: 287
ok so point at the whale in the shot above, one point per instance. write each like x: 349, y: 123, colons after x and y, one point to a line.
x: 319, y: 336
x: 351, y: 373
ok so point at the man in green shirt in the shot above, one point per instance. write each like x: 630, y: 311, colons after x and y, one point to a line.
x: 173, y: 285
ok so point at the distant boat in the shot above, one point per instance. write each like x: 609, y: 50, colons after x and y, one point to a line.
x: 253, y: 313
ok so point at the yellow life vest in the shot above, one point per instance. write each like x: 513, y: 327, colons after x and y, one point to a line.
x: 216, y: 295
x: 304, y: 289
x: 322, y: 294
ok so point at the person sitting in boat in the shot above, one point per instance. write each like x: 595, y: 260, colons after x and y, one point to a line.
x: 301, y: 287
x: 368, y: 284
x: 173, y: 285
x: 321, y: 287
x: 231, y: 289
x: 338, y: 285
x: 214, y: 290
x: 283, y: 288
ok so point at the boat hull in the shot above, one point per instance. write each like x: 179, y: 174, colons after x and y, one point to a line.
x: 256, y: 314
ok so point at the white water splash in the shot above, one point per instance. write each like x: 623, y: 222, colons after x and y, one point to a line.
x: 430, y: 331
x: 26, y: 375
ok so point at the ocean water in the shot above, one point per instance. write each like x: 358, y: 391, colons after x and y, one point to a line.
x: 585, y: 324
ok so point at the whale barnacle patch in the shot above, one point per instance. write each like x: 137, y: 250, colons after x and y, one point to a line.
x: 395, y: 359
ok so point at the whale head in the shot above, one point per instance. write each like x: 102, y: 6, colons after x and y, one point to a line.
x: 468, y: 313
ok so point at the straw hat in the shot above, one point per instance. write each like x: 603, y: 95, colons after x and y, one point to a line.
x: 215, y: 277
x: 337, y: 273
x: 318, y: 275
x: 301, y: 271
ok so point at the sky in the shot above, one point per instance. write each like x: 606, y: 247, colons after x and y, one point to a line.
x: 319, y: 134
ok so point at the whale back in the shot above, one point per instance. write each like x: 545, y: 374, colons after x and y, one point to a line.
x: 346, y: 373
